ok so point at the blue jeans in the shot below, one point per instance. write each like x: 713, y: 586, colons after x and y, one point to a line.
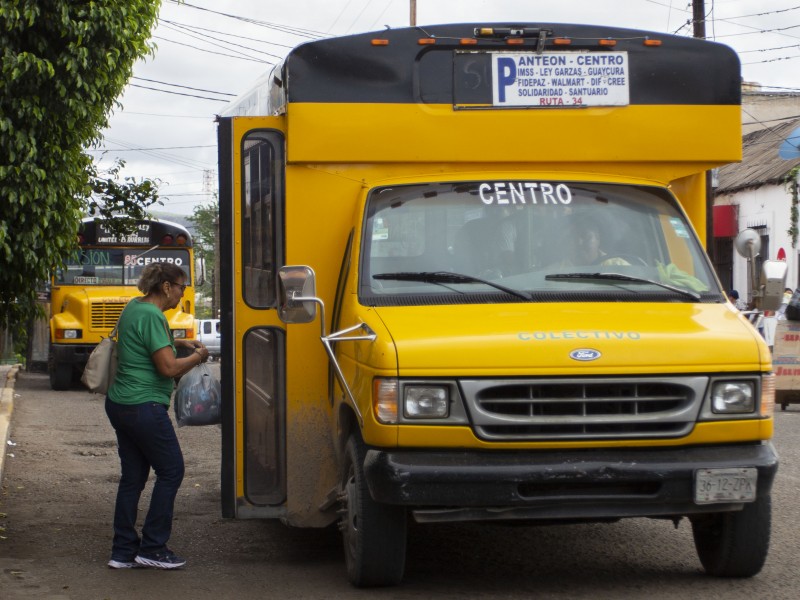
x: 146, y: 440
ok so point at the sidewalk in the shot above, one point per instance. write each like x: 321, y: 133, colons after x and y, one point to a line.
x: 8, y: 376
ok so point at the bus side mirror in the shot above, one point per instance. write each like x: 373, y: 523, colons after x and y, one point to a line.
x: 297, y: 302
x: 199, y: 271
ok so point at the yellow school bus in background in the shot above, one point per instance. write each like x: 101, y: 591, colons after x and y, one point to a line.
x: 100, y: 278
x: 463, y: 279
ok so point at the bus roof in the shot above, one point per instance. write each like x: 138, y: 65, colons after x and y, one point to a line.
x: 589, y: 94
x: 440, y: 64
x: 149, y: 232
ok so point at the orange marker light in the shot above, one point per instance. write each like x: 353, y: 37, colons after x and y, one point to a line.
x: 468, y: 41
x: 562, y: 41
x: 649, y: 42
x: 515, y: 41
x: 380, y: 42
x: 607, y: 42
x: 426, y: 41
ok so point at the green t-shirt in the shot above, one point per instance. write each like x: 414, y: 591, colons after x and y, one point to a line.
x: 143, y: 329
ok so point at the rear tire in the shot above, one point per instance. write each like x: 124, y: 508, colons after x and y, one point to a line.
x: 60, y: 376
x: 734, y: 544
x: 374, y: 534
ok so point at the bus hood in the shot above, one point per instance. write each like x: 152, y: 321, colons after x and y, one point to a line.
x: 585, y: 338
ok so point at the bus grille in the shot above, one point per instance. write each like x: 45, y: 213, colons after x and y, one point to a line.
x: 105, y: 315
x: 583, y: 409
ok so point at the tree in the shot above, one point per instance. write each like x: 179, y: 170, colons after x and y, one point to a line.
x: 205, y: 220
x: 111, y: 198
x: 63, y: 64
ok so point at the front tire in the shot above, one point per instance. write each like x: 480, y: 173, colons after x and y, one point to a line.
x: 374, y: 534
x: 60, y: 376
x: 734, y: 544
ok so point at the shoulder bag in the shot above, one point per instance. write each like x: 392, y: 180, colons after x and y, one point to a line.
x: 101, y: 368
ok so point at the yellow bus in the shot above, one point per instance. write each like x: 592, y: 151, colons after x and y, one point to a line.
x: 99, y: 279
x: 463, y: 279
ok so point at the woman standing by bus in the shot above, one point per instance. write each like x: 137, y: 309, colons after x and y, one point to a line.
x: 137, y: 406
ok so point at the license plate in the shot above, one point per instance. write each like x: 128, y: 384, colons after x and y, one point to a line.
x: 713, y: 486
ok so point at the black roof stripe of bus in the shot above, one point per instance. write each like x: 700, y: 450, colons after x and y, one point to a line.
x: 160, y: 228
x: 349, y: 69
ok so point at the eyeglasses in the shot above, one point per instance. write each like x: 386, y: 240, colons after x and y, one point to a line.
x: 183, y: 286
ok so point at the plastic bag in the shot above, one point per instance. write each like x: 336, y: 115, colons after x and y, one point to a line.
x: 198, y: 398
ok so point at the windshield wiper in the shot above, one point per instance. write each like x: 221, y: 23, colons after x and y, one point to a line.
x: 443, y: 277
x: 620, y: 277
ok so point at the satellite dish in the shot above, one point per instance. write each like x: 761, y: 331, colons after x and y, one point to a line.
x: 790, y: 148
x: 748, y: 243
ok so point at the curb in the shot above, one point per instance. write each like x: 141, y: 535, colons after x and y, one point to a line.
x: 6, y: 408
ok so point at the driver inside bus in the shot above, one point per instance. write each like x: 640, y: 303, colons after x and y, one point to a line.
x: 587, y: 247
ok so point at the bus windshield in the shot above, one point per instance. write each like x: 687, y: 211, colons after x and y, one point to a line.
x: 530, y: 240
x: 117, y: 266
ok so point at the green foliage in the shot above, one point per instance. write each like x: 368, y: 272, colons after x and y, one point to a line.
x: 62, y: 65
x: 794, y: 213
x: 111, y: 198
x: 205, y: 220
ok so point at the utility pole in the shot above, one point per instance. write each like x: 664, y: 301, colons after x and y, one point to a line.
x: 699, y: 22
x: 413, y: 17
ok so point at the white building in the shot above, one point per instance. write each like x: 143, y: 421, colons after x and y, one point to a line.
x: 755, y: 193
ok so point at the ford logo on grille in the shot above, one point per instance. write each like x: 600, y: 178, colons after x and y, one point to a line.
x: 584, y: 354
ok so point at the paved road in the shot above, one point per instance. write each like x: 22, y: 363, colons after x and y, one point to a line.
x: 57, y: 499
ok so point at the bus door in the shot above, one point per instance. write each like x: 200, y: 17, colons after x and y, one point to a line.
x: 252, y: 169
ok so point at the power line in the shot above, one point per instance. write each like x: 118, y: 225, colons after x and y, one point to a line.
x: 159, y: 148
x: 258, y: 60
x: 206, y: 41
x: 130, y: 112
x: 186, y: 162
x: 308, y: 33
x: 185, y: 87
x: 192, y: 29
x: 144, y: 87
x: 240, y: 37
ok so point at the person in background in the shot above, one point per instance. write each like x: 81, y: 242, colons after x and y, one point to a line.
x: 586, y: 246
x: 733, y: 296
x: 780, y: 314
x: 137, y: 406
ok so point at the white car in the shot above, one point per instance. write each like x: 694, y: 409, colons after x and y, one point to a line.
x: 208, y: 333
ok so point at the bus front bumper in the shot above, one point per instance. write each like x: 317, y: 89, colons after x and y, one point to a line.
x: 73, y: 354
x: 594, y: 484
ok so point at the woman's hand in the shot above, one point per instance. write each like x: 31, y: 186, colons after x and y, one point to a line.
x: 169, y: 366
x: 191, y: 344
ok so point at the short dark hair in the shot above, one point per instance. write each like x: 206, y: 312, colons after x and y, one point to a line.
x: 157, y: 273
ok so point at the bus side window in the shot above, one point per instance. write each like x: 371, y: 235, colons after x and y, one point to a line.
x: 262, y: 198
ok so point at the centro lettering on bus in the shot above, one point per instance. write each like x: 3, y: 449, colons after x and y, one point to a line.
x: 508, y: 192
x: 144, y: 261
x: 578, y: 334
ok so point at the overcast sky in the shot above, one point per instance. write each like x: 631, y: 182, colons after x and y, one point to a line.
x: 209, y: 51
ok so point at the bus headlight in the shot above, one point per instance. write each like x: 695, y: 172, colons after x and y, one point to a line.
x: 69, y: 334
x: 733, y: 397
x: 426, y: 402
x: 179, y: 334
